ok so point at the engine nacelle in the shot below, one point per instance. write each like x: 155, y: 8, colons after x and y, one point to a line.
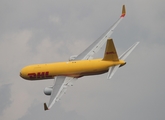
x: 71, y: 58
x: 48, y: 90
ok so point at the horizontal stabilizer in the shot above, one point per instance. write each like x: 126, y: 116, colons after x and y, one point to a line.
x: 112, y: 71
x: 127, y: 52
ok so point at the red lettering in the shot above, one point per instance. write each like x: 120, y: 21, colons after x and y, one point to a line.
x: 47, y: 75
x: 32, y: 75
x: 110, y: 52
x: 39, y: 75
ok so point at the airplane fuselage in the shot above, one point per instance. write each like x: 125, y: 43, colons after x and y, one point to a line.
x: 71, y: 69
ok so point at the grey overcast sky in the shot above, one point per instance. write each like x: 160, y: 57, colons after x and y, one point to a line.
x: 42, y: 31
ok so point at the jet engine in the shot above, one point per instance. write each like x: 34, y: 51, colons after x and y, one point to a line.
x: 71, y: 58
x: 48, y: 90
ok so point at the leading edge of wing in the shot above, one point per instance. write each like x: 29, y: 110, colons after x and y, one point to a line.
x: 60, y: 86
x: 96, y: 45
x: 59, y: 81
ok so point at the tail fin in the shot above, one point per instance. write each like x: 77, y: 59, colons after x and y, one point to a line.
x: 113, y: 69
x: 110, y: 51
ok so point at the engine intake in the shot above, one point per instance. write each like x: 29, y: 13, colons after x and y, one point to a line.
x: 48, y: 90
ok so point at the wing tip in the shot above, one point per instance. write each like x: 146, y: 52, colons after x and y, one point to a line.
x: 137, y: 42
x: 45, y: 107
x: 123, y: 11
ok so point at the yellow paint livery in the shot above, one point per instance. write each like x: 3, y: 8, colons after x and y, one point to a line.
x: 71, y: 69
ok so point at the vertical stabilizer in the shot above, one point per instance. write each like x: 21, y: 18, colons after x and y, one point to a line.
x: 110, y: 51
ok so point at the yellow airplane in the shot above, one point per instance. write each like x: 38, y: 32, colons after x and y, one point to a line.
x: 66, y: 73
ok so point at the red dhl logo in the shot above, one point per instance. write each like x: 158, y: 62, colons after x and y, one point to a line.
x: 110, y: 52
x: 39, y: 75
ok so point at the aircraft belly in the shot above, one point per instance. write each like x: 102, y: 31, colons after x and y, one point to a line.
x: 93, y: 73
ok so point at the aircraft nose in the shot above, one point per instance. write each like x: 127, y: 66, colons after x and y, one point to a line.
x: 22, y: 74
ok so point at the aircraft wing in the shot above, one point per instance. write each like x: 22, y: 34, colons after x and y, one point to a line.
x: 62, y: 82
x: 96, y: 46
x: 59, y: 88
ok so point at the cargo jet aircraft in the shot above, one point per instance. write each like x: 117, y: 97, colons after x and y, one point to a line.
x: 66, y: 73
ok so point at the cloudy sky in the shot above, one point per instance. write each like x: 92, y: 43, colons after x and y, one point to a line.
x: 42, y: 31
